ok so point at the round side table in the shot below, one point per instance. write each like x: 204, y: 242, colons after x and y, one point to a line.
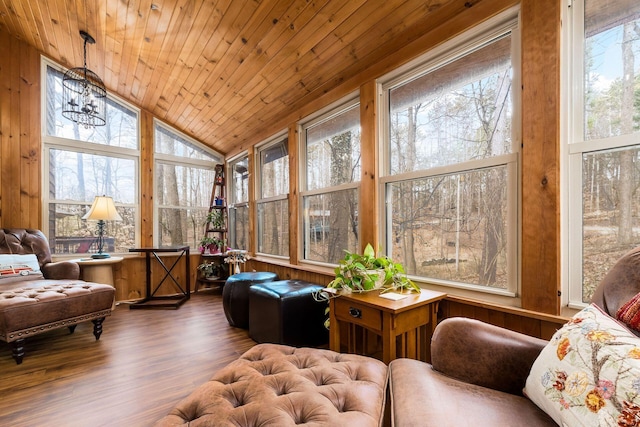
x: 98, y: 270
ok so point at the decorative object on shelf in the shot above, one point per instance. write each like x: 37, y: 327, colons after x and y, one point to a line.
x: 83, y: 93
x: 212, y: 245
x: 211, y: 270
x: 215, y: 220
x: 236, y: 257
x: 103, y: 209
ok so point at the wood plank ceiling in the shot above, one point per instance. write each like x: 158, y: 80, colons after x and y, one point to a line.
x: 223, y: 71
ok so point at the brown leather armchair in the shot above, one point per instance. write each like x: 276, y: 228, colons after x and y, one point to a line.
x: 620, y: 284
x: 476, y: 378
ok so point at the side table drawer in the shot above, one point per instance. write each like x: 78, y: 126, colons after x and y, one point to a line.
x: 358, y: 314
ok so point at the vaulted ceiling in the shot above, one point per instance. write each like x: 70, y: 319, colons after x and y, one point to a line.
x: 224, y: 71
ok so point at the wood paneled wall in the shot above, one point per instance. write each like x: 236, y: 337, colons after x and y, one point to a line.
x: 20, y: 148
x: 20, y: 151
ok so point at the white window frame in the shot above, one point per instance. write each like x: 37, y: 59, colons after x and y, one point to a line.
x: 573, y: 148
x: 50, y: 142
x: 178, y: 161
x: 232, y: 203
x: 324, y: 114
x: 505, y: 23
x: 259, y: 148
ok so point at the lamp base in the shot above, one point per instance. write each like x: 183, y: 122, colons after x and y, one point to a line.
x: 100, y: 256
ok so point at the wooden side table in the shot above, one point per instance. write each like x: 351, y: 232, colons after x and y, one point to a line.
x: 151, y: 300
x: 404, y: 326
x: 98, y: 270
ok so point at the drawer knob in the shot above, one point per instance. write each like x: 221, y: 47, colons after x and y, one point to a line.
x: 355, y: 312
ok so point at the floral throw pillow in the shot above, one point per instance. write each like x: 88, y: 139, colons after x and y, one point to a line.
x: 589, y: 373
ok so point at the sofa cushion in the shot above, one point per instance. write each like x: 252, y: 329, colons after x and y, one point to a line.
x: 629, y: 313
x: 420, y: 396
x: 589, y: 373
x: 18, y: 268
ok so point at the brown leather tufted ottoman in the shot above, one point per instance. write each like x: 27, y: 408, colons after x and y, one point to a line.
x: 39, y: 306
x: 277, y: 385
x: 285, y: 312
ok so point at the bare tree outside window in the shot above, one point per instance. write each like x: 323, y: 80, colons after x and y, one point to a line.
x: 88, y: 162
x: 239, y: 203
x: 332, y: 151
x: 608, y: 145
x: 184, y: 177
x: 450, y: 146
x: 273, y: 205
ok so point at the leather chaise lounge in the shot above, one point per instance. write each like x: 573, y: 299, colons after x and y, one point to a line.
x: 55, y: 298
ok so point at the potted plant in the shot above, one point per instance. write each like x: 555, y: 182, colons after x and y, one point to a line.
x: 215, y: 219
x: 211, y: 244
x: 366, y: 271
x: 211, y: 270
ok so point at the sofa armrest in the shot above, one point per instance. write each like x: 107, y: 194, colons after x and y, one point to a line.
x: 479, y: 353
x: 68, y: 270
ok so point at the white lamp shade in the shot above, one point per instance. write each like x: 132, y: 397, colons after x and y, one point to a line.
x: 104, y: 209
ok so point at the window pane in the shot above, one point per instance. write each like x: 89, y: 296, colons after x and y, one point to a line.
x: 461, y: 111
x: 81, y: 176
x: 181, y: 226
x: 239, y: 227
x: 70, y: 234
x: 121, y: 129
x: 611, y: 212
x: 333, y: 150
x: 331, y: 225
x: 273, y: 228
x: 178, y: 185
x: 274, y: 167
x: 611, y: 72
x: 183, y: 193
x: 240, y: 181
x: 452, y: 227
x: 170, y: 143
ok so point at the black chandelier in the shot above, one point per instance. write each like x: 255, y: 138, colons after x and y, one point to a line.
x: 83, y: 93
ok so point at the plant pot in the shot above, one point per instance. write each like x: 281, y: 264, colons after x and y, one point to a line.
x: 380, y: 280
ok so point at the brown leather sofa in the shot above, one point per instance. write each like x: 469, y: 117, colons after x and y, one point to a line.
x: 58, y: 300
x: 481, y: 369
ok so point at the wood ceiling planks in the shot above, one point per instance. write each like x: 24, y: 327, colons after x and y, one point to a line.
x: 222, y: 70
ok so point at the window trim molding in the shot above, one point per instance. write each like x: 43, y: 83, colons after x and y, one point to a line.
x: 259, y: 200
x: 49, y: 142
x: 168, y: 159
x: 327, y: 113
x: 506, y: 23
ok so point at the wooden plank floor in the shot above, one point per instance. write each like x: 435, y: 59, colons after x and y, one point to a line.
x: 144, y: 363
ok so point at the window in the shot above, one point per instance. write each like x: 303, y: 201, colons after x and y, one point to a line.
x: 238, y: 206
x: 450, y: 173
x: 331, y: 147
x: 81, y: 163
x: 272, y: 202
x: 184, y: 176
x: 603, y: 149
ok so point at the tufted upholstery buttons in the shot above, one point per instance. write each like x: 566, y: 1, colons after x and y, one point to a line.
x: 286, y: 386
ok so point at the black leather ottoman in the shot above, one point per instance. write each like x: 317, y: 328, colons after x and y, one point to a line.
x: 235, y: 295
x: 285, y: 312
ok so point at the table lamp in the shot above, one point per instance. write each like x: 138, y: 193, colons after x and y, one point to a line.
x: 102, y: 210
